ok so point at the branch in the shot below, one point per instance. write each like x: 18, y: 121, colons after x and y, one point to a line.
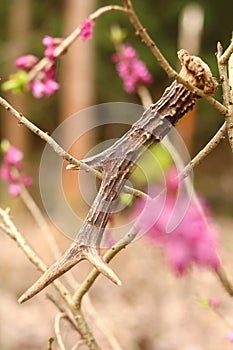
x: 226, y: 55
x: 140, y: 30
x: 205, y: 151
x: 57, y: 331
x: 224, y: 279
x: 11, y: 230
x: 40, y: 220
x: 227, y: 92
x: 78, y: 164
x: 69, y: 40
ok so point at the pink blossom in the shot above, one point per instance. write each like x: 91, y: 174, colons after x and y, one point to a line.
x: 213, y: 302
x: 11, y: 171
x: 130, y: 69
x: 44, y: 83
x: 230, y: 336
x: 194, y: 239
x: 42, y: 88
x: 48, y: 40
x: 49, y: 53
x: 5, y: 173
x: 37, y: 88
x: 14, y: 189
x: 50, y: 86
x: 26, y: 62
x: 87, y: 29
x: 13, y: 156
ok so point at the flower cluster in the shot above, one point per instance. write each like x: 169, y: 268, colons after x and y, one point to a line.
x: 87, y: 29
x: 11, y: 171
x: 130, y: 69
x: 193, y: 241
x: 44, y: 83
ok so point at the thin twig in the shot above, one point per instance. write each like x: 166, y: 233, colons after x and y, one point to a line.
x: 58, y: 149
x: 226, y: 55
x: 205, y: 151
x: 224, y: 279
x: 57, y: 331
x: 40, y: 220
x: 11, y: 230
x: 50, y: 343
x: 44, y: 227
x: 140, y: 30
x: 69, y: 40
x: 78, y: 323
x: 227, y: 94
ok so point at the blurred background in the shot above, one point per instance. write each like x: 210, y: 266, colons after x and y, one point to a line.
x: 87, y: 77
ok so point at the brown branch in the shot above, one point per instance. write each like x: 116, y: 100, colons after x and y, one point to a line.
x: 69, y: 40
x: 11, y: 230
x: 227, y: 93
x: 77, y: 164
x: 140, y: 30
x: 226, y: 55
x: 205, y: 151
x: 224, y: 279
x: 57, y: 331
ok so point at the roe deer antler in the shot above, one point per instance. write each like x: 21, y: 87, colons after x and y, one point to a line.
x: 117, y: 162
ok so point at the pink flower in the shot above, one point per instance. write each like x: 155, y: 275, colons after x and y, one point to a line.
x: 213, y: 302
x: 44, y: 83
x: 13, y: 156
x: 26, y: 62
x: 48, y: 40
x: 10, y: 171
x: 193, y: 240
x: 130, y: 69
x: 50, y: 86
x: 5, y: 173
x: 14, y: 189
x: 230, y: 336
x: 87, y: 29
x: 50, y: 44
x: 41, y: 88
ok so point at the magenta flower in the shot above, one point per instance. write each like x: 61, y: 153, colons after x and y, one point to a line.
x: 41, y: 88
x: 213, y: 302
x: 51, y: 44
x: 87, y: 29
x: 130, y: 69
x: 44, y: 84
x: 13, y: 156
x: 26, y: 62
x: 14, y: 189
x: 193, y: 241
x: 11, y: 171
x: 230, y: 337
x: 48, y: 41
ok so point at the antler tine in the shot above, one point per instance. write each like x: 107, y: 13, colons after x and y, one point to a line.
x: 71, y: 257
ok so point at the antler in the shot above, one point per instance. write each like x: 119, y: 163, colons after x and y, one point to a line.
x: 117, y: 162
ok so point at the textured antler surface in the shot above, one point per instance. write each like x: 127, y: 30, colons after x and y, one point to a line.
x: 117, y: 162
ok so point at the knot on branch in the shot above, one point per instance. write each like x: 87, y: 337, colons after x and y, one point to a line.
x: 197, y: 72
